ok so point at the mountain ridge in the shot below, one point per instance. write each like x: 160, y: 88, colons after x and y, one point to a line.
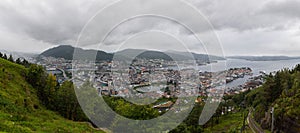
x: 263, y: 58
x: 67, y: 51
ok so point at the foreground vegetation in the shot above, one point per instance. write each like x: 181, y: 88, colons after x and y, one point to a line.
x: 32, y: 101
x: 281, y: 91
x: 21, y: 109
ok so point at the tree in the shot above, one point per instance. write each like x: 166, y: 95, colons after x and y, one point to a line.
x: 50, y: 89
x: 11, y: 59
x: 25, y: 63
x: 18, y: 61
x: 62, y: 100
x: 5, y: 56
x: 297, y: 68
x: 66, y: 102
x: 37, y: 76
x: 280, y: 91
x: 1, y: 55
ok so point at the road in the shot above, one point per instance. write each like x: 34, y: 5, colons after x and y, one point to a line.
x: 64, y: 73
x: 254, y: 127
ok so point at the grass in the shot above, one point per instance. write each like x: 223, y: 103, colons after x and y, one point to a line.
x: 41, y: 121
x: 230, y: 123
x: 20, y: 109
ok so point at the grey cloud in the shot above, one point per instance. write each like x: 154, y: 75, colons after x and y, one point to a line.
x: 58, y: 21
x: 244, y: 15
x: 285, y: 9
x: 130, y: 8
x: 53, y: 22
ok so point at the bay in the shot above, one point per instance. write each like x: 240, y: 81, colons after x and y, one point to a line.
x: 256, y: 66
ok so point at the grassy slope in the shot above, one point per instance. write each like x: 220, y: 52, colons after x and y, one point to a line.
x: 229, y: 123
x: 20, y: 110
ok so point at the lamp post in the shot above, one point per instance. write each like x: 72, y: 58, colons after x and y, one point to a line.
x: 272, y: 125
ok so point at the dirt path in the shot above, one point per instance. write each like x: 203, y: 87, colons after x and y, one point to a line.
x: 254, y: 127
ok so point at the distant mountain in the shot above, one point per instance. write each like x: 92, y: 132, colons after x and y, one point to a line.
x: 66, y: 52
x: 63, y: 51
x: 264, y: 58
x: 200, y: 58
x: 140, y: 53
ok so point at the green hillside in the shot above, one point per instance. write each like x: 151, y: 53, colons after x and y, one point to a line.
x: 282, y: 92
x: 21, y: 109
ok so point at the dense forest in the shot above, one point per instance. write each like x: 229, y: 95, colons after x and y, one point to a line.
x: 281, y: 91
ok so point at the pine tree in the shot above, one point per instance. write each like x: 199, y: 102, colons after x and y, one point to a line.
x: 1, y: 55
x: 18, y: 61
x: 11, y: 59
x: 5, y: 56
x: 25, y: 63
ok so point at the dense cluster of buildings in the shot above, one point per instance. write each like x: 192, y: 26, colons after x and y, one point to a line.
x: 251, y: 83
x: 235, y: 73
x: 58, y: 67
x: 141, y: 78
x: 150, y: 79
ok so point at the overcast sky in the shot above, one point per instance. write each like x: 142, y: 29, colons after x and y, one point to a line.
x: 244, y: 27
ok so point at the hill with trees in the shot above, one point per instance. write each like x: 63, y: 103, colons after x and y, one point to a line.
x: 281, y: 91
x: 31, y: 101
x: 67, y: 52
